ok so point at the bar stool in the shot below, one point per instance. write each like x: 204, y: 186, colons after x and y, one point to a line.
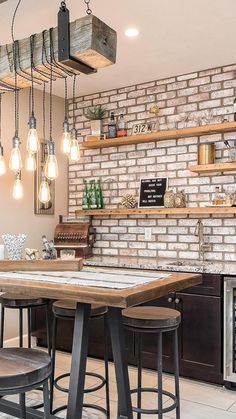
x: 158, y: 320
x: 20, y: 302
x: 65, y: 309
x: 22, y: 370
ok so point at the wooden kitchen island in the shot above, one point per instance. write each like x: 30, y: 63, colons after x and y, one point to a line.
x: 115, y: 300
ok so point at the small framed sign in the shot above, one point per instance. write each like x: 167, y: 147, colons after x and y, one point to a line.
x: 145, y: 128
x: 151, y: 192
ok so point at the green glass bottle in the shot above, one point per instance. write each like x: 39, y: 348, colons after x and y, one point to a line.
x: 99, y: 195
x: 92, y: 194
x: 85, y: 200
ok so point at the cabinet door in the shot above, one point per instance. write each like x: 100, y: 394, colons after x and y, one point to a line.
x: 200, y: 336
x: 149, y: 353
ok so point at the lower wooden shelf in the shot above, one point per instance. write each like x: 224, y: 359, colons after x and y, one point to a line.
x: 159, y: 211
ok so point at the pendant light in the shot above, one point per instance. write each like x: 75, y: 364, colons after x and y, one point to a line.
x: 74, y: 147
x: 32, y: 140
x: 18, y: 191
x: 66, y: 138
x: 2, y: 160
x: 15, y: 163
x: 44, y: 190
x: 51, y: 166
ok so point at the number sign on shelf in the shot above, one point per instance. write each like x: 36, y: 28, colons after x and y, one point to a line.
x: 151, y: 192
x: 145, y: 128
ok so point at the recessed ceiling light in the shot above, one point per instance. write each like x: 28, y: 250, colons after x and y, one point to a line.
x: 131, y: 32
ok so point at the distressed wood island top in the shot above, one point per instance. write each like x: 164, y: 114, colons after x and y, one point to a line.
x: 111, y: 297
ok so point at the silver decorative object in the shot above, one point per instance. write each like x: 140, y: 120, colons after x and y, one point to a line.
x: 14, y: 245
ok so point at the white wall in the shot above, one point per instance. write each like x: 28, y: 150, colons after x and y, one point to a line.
x: 18, y: 216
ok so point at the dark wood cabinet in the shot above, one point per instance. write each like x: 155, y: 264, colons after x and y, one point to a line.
x: 200, y: 333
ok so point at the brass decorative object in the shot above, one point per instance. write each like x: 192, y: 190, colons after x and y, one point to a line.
x: 206, y: 153
x: 129, y: 201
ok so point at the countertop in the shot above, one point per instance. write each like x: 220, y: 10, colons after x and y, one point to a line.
x: 173, y: 265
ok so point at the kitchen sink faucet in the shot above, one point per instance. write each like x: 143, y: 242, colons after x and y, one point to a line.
x: 203, y: 245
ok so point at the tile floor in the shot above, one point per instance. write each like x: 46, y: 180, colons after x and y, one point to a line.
x: 198, y: 400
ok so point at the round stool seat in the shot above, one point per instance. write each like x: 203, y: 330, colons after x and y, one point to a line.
x: 151, y: 317
x: 21, y: 301
x: 67, y: 308
x: 21, y: 367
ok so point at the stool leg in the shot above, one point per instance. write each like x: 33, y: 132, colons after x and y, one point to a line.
x: 159, y: 369
x: 2, y: 326
x: 29, y: 327
x: 21, y: 327
x: 46, y: 400
x: 22, y: 406
x: 47, y: 312
x: 106, y: 366
x: 139, y: 345
x: 54, y: 334
x: 176, y: 365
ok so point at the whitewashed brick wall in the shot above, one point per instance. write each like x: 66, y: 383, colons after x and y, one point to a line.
x: 172, y: 236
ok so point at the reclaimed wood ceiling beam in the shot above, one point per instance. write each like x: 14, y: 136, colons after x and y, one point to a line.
x: 91, y: 41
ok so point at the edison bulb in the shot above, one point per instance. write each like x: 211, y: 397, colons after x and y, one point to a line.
x: 18, y: 192
x: 74, y: 151
x: 66, y: 142
x: 2, y: 166
x: 15, y: 162
x: 44, y: 192
x: 30, y: 162
x: 32, y: 141
x: 51, y: 167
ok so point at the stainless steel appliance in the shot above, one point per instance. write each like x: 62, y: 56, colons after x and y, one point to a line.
x: 230, y: 329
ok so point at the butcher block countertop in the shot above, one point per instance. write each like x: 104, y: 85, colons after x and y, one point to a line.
x: 60, y: 287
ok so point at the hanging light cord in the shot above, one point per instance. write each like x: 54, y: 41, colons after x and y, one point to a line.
x: 74, y: 85
x: 50, y: 105
x: 66, y: 96
x: 0, y: 119
x: 31, y: 72
x: 44, y: 112
x: 15, y: 70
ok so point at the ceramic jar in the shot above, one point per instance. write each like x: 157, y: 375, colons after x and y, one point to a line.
x: 180, y: 199
x: 169, y: 199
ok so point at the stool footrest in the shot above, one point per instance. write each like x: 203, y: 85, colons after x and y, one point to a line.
x: 154, y: 411
x: 87, y: 390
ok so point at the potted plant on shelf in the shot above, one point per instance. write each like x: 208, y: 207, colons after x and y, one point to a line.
x: 95, y: 115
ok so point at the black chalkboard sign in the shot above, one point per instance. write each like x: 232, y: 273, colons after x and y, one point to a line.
x: 152, y: 192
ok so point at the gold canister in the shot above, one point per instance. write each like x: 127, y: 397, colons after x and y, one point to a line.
x: 206, y: 153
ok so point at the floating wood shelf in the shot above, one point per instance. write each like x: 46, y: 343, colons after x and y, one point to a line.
x: 159, y: 211
x: 162, y: 135
x: 217, y: 167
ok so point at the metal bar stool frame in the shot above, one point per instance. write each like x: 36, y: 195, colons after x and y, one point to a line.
x: 28, y: 307
x: 21, y: 390
x: 139, y: 390
x: 104, y: 380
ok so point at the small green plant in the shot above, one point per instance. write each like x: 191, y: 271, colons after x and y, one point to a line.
x: 95, y: 113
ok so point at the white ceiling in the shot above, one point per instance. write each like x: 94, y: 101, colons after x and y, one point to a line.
x: 176, y: 36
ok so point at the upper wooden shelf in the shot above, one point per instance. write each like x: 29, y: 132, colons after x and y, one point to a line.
x: 160, y: 211
x: 162, y: 135
x: 217, y: 167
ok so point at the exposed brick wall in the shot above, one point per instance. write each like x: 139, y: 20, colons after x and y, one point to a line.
x: 213, y: 89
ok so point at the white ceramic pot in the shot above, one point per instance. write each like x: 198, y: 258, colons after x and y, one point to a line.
x: 96, y: 127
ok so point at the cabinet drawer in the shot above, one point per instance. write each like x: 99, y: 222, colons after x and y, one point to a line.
x: 212, y: 284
